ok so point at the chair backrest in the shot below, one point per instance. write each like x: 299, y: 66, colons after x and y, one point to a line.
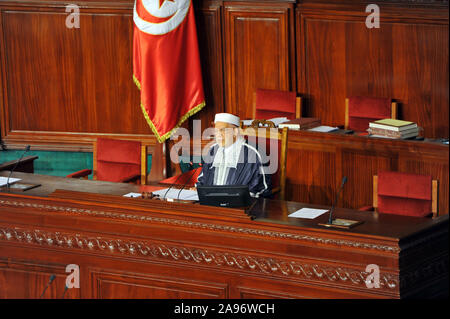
x: 272, y: 137
x: 269, y: 104
x: 115, y: 160
x: 405, y: 194
x: 360, y: 111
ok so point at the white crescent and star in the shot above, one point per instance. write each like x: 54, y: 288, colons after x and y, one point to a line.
x: 169, y: 12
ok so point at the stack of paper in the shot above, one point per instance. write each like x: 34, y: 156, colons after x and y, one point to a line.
x: 133, y: 195
x: 3, y: 180
x: 174, y: 193
x: 309, y: 213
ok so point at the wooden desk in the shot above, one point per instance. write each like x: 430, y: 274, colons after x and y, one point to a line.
x: 137, y: 248
x: 25, y: 165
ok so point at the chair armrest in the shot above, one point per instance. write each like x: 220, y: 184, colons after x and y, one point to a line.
x: 79, y: 174
x: 366, y: 208
x: 276, y: 190
x: 131, y: 179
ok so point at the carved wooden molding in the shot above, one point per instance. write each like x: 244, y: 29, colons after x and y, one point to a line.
x: 214, y: 258
x: 214, y: 227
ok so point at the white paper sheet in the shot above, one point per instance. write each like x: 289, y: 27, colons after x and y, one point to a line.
x: 309, y: 213
x: 186, y: 194
x: 323, y: 128
x: 134, y: 195
x: 3, y: 180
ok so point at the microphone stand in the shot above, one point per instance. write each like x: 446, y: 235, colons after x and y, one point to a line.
x: 173, y: 184
x: 52, y: 277
x: 184, y: 185
x: 330, y: 218
x: 15, y: 166
x: 339, y: 222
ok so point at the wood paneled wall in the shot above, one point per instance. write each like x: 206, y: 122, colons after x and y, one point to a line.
x: 405, y: 59
x: 67, y: 85
x: 63, y: 86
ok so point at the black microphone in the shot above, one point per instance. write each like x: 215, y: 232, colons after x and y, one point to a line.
x: 330, y: 218
x: 15, y: 166
x: 174, y: 183
x: 190, y: 177
x: 52, y: 277
x: 65, y: 289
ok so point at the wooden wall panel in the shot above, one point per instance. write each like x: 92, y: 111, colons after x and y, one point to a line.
x: 209, y: 29
x: 311, y: 173
x: 421, y: 72
x: 405, y: 59
x: 257, y: 52
x: 360, y: 166
x: 67, y: 86
x: 70, y: 80
x: 114, y: 285
x: 26, y: 280
x: 325, y: 78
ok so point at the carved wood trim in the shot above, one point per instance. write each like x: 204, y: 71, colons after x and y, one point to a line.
x: 200, y: 225
x: 214, y: 258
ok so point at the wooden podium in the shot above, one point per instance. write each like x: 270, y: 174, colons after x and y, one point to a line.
x: 142, y: 248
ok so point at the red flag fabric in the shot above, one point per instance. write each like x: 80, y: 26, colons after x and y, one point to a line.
x: 166, y: 63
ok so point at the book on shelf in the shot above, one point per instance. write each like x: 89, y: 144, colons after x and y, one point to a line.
x: 393, y: 125
x: 302, y: 123
x: 379, y: 132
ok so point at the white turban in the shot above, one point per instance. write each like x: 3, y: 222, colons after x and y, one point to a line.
x: 227, y: 118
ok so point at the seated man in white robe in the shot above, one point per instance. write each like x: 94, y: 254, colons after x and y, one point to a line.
x: 232, y: 161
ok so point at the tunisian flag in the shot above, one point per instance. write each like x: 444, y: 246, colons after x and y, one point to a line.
x: 166, y: 63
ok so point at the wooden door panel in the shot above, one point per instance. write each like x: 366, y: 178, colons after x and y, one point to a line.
x: 209, y: 30
x: 311, y: 172
x: 405, y: 59
x: 28, y: 281
x: 257, y: 46
x: 109, y: 285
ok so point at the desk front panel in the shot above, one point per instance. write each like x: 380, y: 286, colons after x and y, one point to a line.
x: 135, y: 248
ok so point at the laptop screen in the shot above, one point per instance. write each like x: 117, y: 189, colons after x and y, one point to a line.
x: 224, y: 195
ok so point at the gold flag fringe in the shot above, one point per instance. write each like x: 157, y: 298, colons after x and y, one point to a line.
x: 160, y: 138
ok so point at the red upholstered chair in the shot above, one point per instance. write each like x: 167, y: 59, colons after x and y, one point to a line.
x: 269, y: 104
x: 117, y: 161
x: 359, y: 111
x: 405, y: 194
x: 188, y: 178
